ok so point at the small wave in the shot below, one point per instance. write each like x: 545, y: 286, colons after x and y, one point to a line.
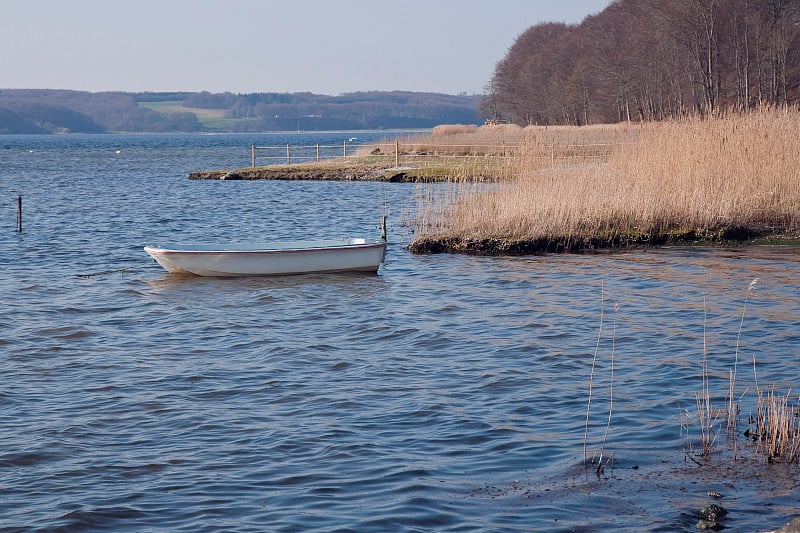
x: 80, y: 334
x: 100, y: 518
x: 24, y: 459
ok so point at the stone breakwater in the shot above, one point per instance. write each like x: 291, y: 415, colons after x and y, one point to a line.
x: 324, y: 173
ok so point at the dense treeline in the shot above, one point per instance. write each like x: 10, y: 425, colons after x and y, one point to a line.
x: 359, y: 110
x: 650, y: 60
x: 43, y: 111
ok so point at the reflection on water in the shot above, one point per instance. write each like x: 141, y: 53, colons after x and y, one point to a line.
x: 445, y: 393
x: 164, y: 282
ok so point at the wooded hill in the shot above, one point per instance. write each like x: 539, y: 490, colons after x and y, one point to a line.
x: 46, y: 111
x: 651, y: 60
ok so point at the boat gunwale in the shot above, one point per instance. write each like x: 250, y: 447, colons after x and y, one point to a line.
x: 328, y: 247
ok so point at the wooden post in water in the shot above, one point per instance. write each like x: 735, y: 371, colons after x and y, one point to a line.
x: 317, y: 153
x: 253, y: 154
x: 19, y: 213
x: 288, y: 155
x: 396, y: 153
x: 344, y: 153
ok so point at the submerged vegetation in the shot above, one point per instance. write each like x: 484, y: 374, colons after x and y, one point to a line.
x: 706, y: 179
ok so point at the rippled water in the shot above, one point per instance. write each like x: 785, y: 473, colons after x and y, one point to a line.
x: 445, y: 393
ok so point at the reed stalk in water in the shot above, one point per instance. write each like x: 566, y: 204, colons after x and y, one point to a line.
x: 703, y: 398
x: 601, y: 455
x: 733, y: 405
x: 591, y: 373
x: 610, y: 393
x: 777, y: 421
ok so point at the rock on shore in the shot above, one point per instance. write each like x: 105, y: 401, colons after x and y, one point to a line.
x: 323, y: 173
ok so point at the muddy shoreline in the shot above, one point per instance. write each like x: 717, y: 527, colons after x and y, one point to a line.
x: 737, y: 236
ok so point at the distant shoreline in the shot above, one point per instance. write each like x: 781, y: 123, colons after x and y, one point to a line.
x: 48, y: 111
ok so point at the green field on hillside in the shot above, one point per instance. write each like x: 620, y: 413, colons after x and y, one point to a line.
x: 213, y: 119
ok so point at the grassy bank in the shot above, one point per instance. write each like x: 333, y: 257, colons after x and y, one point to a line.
x: 366, y: 168
x: 719, y: 179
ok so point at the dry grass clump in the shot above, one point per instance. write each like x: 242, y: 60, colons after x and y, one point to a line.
x: 595, y: 134
x: 499, y: 140
x: 777, y: 426
x: 444, y: 130
x: 696, y: 176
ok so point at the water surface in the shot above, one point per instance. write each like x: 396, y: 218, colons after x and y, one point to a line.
x: 445, y: 393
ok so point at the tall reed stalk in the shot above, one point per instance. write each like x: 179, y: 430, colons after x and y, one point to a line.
x: 601, y: 456
x: 591, y: 373
x: 777, y: 420
x: 610, y: 393
x: 779, y: 425
x: 703, y: 399
x: 733, y: 405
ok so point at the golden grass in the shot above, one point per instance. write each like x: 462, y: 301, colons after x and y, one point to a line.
x: 444, y: 130
x: 697, y: 176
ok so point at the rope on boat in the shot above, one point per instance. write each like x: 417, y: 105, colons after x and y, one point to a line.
x: 120, y: 271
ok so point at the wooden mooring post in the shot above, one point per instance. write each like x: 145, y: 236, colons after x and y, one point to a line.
x: 19, y: 213
x: 288, y: 155
x: 253, y: 154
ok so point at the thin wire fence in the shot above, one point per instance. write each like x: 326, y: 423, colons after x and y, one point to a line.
x: 407, y: 153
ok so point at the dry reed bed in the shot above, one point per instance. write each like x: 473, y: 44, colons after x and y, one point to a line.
x: 512, y: 141
x: 723, y: 178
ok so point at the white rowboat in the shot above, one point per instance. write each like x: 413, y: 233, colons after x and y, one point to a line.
x: 272, y: 258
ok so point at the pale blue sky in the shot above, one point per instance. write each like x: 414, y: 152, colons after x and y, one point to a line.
x: 324, y: 47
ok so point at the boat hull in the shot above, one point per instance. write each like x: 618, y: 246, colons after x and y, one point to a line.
x: 271, y: 259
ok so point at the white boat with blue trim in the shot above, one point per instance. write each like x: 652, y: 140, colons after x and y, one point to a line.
x: 271, y: 258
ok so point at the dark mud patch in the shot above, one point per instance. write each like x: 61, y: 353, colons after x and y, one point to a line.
x: 741, y: 495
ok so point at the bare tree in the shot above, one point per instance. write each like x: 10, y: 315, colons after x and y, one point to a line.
x: 651, y: 60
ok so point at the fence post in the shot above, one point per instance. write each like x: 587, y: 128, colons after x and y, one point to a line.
x: 253, y: 154
x: 317, y: 152
x: 288, y: 155
x: 396, y: 153
x: 344, y: 153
